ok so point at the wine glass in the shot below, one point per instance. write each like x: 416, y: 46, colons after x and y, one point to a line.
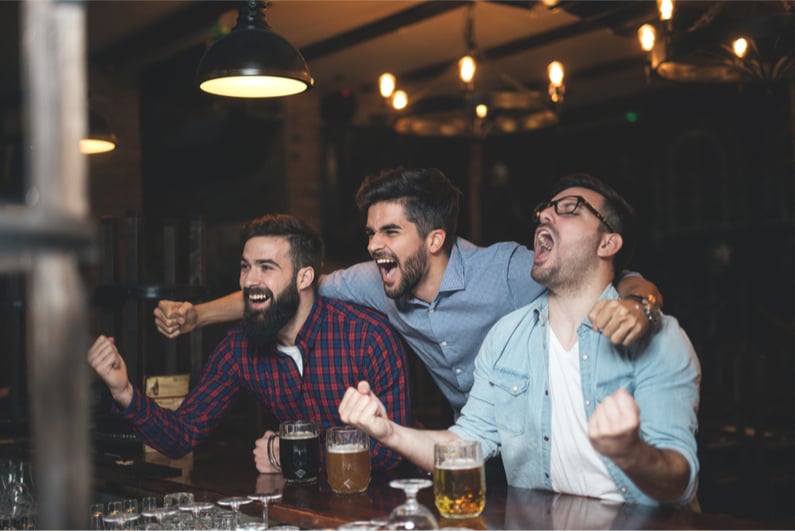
x: 158, y: 513
x: 411, y: 514
x: 235, y: 502
x: 265, y: 498
x: 196, y: 507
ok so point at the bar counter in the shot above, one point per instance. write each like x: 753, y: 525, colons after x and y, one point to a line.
x: 223, y: 472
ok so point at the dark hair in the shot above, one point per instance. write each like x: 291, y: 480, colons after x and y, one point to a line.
x: 306, y: 245
x: 618, y: 212
x: 429, y: 198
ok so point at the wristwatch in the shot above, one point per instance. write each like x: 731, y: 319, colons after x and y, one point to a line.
x: 648, y: 304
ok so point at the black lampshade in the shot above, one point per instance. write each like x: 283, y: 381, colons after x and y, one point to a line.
x: 100, y: 138
x: 252, y: 61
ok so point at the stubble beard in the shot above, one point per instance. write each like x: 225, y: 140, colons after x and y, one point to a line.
x: 410, y: 275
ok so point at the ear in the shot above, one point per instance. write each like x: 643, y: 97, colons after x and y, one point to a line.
x: 435, y: 240
x: 610, y: 245
x: 305, y: 277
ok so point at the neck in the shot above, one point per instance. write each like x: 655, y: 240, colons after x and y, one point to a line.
x: 289, y: 332
x: 427, y: 288
x: 570, y: 306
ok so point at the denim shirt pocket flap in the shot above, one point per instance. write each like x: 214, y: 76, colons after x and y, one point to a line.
x: 511, y: 383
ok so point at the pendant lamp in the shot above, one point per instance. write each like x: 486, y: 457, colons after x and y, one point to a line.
x: 251, y: 61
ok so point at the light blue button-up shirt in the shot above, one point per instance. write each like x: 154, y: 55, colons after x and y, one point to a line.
x: 480, y: 285
x: 509, y: 407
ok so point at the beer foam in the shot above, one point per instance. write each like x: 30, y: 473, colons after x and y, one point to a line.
x: 345, y: 448
x: 458, y: 464
x: 299, y: 436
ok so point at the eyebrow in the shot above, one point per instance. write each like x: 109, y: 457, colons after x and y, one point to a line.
x: 262, y: 262
x: 388, y: 226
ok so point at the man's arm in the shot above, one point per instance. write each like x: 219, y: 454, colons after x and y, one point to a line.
x: 104, y: 358
x: 626, y: 320
x: 173, y: 318
x: 614, y: 431
x: 361, y: 408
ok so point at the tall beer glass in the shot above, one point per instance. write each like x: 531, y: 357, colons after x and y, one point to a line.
x: 347, y: 460
x: 459, y: 480
x: 299, y: 451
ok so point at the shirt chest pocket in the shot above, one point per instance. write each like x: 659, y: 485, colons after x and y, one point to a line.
x: 510, y: 401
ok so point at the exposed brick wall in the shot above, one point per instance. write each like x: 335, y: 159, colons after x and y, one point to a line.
x: 303, y: 156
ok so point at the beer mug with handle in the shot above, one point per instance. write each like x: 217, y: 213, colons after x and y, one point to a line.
x: 299, y: 451
x: 459, y: 479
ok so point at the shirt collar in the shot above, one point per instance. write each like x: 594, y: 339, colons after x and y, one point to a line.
x: 454, y: 278
x: 305, y: 339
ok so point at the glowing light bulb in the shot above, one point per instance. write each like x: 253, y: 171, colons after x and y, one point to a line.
x: 400, y: 99
x: 386, y: 84
x: 647, y: 35
x: 555, y: 71
x: 740, y: 47
x: 666, y: 8
x: 466, y: 68
x: 481, y: 110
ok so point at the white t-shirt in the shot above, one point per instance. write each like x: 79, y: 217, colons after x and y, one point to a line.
x: 294, y: 353
x: 576, y: 467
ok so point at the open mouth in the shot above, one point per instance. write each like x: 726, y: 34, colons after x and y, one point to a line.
x: 257, y: 296
x: 544, y: 243
x: 387, y: 266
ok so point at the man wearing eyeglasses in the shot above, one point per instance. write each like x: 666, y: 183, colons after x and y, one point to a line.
x: 441, y: 292
x: 567, y: 410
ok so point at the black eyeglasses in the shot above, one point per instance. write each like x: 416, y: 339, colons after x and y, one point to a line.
x: 568, y: 205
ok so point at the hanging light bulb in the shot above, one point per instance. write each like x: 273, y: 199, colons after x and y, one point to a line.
x: 481, y: 110
x: 100, y: 138
x: 400, y: 100
x: 386, y: 84
x: 647, y: 35
x: 740, y: 47
x: 466, y: 68
x: 666, y: 9
x: 556, y: 86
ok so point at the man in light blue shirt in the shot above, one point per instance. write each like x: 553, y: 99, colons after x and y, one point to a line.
x: 568, y: 410
x: 441, y: 292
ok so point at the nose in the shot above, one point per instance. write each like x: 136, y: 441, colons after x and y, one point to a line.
x: 545, y: 215
x: 374, y: 243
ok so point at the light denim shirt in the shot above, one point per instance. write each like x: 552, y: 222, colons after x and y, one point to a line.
x: 509, y: 407
x: 479, y: 286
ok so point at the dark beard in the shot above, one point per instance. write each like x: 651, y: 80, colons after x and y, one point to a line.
x: 410, y: 275
x: 261, y: 328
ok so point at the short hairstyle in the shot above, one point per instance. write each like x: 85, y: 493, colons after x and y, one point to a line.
x: 306, y: 245
x: 618, y: 212
x: 428, y: 197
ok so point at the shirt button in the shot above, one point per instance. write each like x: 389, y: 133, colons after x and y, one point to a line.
x: 587, y: 402
x: 431, y: 310
x: 546, y: 475
x: 444, y: 343
x: 585, y: 357
x: 515, y: 388
x: 546, y: 438
x: 458, y: 370
x: 623, y: 489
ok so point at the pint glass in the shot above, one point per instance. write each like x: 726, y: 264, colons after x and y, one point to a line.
x: 459, y: 480
x: 347, y: 460
x: 299, y: 451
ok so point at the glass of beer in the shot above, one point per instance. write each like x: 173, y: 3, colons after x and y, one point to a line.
x: 459, y: 480
x: 299, y: 451
x: 347, y: 460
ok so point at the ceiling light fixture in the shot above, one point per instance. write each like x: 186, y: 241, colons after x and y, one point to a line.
x: 465, y: 106
x: 722, y: 41
x: 100, y: 138
x: 251, y: 61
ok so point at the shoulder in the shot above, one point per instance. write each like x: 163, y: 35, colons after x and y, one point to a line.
x: 351, y: 311
x: 469, y: 250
